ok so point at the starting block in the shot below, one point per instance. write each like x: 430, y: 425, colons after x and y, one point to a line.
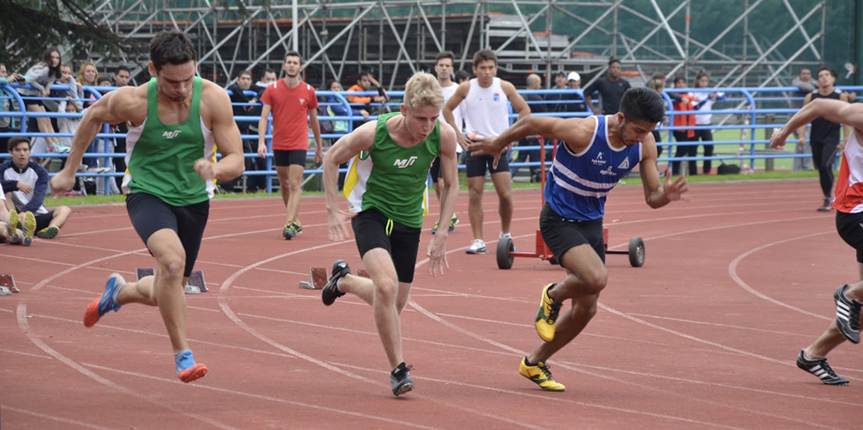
x: 196, y: 284
x: 363, y: 273
x: 317, y: 279
x: 7, y: 281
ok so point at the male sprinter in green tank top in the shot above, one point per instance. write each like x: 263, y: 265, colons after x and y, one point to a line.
x: 174, y: 121
x: 387, y: 189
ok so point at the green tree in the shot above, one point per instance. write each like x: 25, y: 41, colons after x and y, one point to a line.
x: 28, y: 27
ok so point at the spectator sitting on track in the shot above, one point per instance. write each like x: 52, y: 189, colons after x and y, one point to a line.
x: 9, y: 233
x: 31, y: 182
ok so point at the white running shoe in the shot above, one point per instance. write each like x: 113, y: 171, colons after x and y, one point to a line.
x: 478, y: 247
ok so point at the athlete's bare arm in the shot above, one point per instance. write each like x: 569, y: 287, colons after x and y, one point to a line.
x: 216, y: 111
x: 262, y: 130
x: 656, y: 194
x: 577, y: 132
x: 451, y: 105
x: 517, y: 101
x: 346, y: 148
x: 449, y: 195
x: 836, y: 111
x: 518, y: 105
x: 121, y: 105
x: 316, y: 131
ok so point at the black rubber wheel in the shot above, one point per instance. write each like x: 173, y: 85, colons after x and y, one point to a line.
x: 636, y: 252
x: 504, y: 247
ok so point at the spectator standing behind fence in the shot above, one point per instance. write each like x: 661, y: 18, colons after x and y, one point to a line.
x: 121, y: 78
x: 335, y: 107
x: 805, y: 86
x: 26, y: 184
x: 366, y: 82
x: 68, y: 125
x: 824, y: 135
x: 610, y: 88
x: 8, y: 103
x: 40, y: 77
x: 486, y: 114
x: 241, y: 106
x: 534, y: 82
x: 703, y: 102
x: 259, y: 182
x: 75, y: 90
x: 567, y: 101
x: 443, y: 67
x: 294, y: 106
x: 657, y: 83
x: 849, y: 217
x: 684, y: 120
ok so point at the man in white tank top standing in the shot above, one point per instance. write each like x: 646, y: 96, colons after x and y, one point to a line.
x: 849, y: 223
x: 443, y: 68
x: 486, y: 114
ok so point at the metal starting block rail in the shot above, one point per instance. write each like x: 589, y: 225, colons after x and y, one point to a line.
x: 196, y: 285
x: 318, y: 278
x: 7, y: 285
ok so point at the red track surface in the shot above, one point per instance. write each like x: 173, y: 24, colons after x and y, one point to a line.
x: 736, y: 281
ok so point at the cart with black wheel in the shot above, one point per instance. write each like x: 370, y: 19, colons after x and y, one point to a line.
x: 506, y: 252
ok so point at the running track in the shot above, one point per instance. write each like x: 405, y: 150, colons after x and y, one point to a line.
x: 704, y: 336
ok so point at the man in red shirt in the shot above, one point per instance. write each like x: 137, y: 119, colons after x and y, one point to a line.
x: 294, y: 106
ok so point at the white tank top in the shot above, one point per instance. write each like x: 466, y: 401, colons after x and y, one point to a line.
x: 486, y: 110
x: 457, y: 113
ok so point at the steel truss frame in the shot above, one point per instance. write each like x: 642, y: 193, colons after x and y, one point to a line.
x: 399, y: 37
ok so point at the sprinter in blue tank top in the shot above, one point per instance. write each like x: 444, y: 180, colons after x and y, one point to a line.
x: 593, y: 155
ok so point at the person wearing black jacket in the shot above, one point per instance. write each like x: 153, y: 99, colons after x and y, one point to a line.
x: 241, y: 105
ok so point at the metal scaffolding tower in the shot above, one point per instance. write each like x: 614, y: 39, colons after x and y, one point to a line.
x: 398, y: 37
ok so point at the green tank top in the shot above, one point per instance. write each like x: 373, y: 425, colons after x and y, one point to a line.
x: 397, y: 183
x: 162, y: 158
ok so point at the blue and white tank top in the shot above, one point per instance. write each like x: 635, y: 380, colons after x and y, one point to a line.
x: 578, y: 184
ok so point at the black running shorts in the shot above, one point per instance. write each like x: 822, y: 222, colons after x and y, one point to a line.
x: 403, y: 242
x: 150, y: 214
x: 478, y: 165
x: 850, y: 228
x: 43, y: 220
x: 561, y: 234
x: 434, y: 170
x: 286, y: 158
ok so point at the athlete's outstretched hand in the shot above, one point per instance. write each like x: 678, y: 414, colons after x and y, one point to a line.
x: 674, y: 191
x: 436, y: 253
x: 337, y: 221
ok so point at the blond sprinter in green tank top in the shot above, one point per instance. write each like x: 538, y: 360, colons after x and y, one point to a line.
x: 173, y: 63
x: 401, y: 147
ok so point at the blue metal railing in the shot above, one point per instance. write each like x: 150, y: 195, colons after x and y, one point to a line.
x: 752, y: 109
